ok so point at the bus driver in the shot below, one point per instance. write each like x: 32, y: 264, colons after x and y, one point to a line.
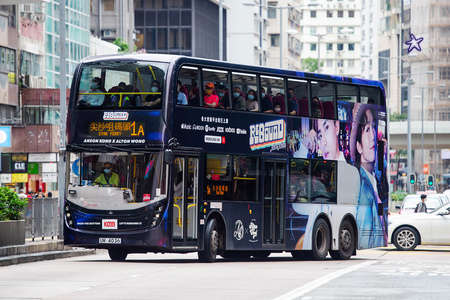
x: 107, y: 178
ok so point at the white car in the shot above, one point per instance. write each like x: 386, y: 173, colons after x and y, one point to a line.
x: 408, y: 231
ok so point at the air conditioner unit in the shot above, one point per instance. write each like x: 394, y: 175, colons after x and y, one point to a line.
x: 341, y: 70
x: 108, y: 33
x: 41, y: 82
x: 340, y: 5
x: 30, y: 81
x: 28, y: 8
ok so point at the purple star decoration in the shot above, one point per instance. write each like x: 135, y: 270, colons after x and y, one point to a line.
x: 414, y: 43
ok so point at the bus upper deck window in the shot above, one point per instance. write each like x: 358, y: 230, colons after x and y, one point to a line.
x: 370, y: 95
x: 322, y: 101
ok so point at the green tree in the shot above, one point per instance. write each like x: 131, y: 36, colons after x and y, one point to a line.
x: 398, y: 117
x: 310, y: 64
x: 123, y: 46
x: 12, y: 206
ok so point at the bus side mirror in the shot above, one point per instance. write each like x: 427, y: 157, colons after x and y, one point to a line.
x: 168, y: 156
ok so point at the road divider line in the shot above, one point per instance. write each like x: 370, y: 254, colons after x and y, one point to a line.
x: 300, y: 291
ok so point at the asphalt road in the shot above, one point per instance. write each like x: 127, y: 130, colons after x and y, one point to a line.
x: 382, y: 273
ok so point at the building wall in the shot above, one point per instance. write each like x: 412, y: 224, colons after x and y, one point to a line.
x: 112, y: 19
x: 345, y: 61
x: 244, y: 43
x: 8, y: 64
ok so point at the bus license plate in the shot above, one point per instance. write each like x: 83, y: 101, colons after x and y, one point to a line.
x: 110, y: 240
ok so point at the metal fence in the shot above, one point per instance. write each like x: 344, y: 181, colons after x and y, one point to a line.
x: 42, y: 218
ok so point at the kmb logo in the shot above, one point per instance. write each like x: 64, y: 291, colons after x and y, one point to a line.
x: 109, y: 224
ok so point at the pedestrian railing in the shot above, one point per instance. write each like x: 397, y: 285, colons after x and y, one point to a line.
x: 42, y: 218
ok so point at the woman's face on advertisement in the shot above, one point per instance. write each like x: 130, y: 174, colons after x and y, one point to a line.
x: 367, y: 146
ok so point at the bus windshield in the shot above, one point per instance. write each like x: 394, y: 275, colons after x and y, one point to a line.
x: 118, y: 179
x: 121, y: 84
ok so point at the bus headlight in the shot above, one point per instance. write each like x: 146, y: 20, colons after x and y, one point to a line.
x: 68, y: 216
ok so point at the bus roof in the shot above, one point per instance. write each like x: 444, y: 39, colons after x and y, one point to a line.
x: 179, y: 59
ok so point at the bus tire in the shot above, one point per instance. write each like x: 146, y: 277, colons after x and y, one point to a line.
x: 117, y: 254
x: 211, y: 246
x: 320, y: 240
x: 346, y: 242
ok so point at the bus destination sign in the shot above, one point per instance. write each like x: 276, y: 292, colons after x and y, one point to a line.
x: 116, y: 129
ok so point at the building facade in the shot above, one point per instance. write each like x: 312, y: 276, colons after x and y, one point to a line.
x: 333, y: 28
x: 180, y: 27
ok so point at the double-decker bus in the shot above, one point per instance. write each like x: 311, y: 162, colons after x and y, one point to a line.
x: 180, y: 154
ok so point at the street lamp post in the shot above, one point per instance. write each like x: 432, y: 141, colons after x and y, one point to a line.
x: 434, y: 134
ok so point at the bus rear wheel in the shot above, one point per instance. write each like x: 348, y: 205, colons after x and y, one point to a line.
x: 320, y: 240
x: 211, y: 246
x: 346, y: 242
x: 117, y: 254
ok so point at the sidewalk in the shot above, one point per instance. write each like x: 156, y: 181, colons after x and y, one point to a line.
x: 39, y: 250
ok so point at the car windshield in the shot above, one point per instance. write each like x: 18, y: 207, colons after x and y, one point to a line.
x: 118, y: 179
x: 411, y: 202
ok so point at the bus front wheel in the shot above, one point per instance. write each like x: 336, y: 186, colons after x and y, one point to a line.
x: 117, y: 254
x: 320, y: 240
x: 346, y: 242
x: 211, y: 246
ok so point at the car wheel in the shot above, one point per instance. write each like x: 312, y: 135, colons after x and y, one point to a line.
x: 209, y: 252
x: 346, y: 242
x: 406, y: 238
x: 320, y: 240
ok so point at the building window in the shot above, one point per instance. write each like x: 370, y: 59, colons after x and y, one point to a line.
x: 329, y: 63
x: 351, y: 63
x: 312, y: 47
x: 108, y: 5
x: 313, y: 30
x: 329, y: 46
x: 351, y: 47
x: 313, y: 14
x: 340, y: 47
x: 329, y: 30
x: 329, y: 13
x: 275, y: 40
x: 444, y: 73
x: 271, y: 13
x: 351, y: 13
x: 340, y: 13
x: 340, y: 63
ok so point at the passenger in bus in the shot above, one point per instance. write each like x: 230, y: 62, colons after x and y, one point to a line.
x: 210, y: 99
x: 238, y: 99
x: 94, y: 99
x: 292, y: 103
x: 266, y: 102
x: 316, y: 108
x: 154, y: 100
x: 278, y: 101
x: 131, y: 100
x: 363, y: 149
x: 194, y: 96
x: 181, y: 95
x: 252, y: 101
x: 107, y: 178
x: 224, y: 101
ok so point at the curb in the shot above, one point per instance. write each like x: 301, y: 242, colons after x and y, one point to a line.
x: 39, y: 251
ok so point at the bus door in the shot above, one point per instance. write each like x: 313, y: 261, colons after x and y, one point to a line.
x: 185, y: 201
x: 274, y: 201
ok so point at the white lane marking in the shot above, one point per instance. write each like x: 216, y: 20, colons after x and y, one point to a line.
x: 300, y: 291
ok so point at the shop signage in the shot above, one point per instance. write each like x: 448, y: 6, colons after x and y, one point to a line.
x: 5, y: 136
x: 42, y: 157
x: 19, y: 177
x: 33, y: 168
x: 50, y: 177
x: 49, y: 167
x: 19, y: 167
x: 5, y: 178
